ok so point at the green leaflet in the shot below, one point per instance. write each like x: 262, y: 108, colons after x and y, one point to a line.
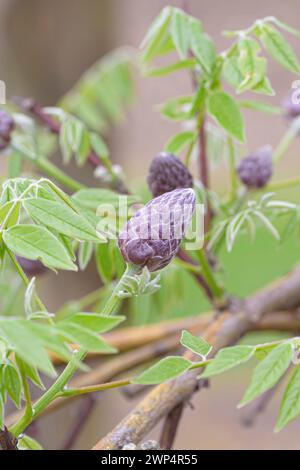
x: 290, y: 404
x: 61, y: 218
x: 228, y: 358
x: 268, y: 372
x: 227, y: 113
x: 33, y: 242
x: 166, y: 369
x: 196, y: 344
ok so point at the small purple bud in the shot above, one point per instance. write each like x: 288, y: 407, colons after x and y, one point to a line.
x: 6, y: 125
x: 31, y: 267
x: 167, y: 173
x: 153, y: 235
x: 256, y: 169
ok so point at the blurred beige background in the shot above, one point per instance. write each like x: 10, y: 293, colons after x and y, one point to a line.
x: 44, y: 47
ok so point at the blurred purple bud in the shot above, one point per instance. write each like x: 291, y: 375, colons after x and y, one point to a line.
x: 255, y: 170
x: 31, y: 267
x: 167, y: 173
x: 291, y: 105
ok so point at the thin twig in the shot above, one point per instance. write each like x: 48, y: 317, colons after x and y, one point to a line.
x: 80, y: 421
x: 170, y: 427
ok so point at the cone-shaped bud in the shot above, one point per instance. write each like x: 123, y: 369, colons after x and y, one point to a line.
x: 153, y: 235
x: 167, y: 173
x: 256, y: 169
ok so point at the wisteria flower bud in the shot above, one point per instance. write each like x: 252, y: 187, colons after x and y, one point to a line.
x: 256, y: 169
x: 6, y: 127
x: 31, y: 267
x: 167, y: 173
x: 291, y: 106
x: 153, y: 235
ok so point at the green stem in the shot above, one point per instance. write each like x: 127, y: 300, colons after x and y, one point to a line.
x: 209, y: 275
x: 113, y: 300
x: 50, y: 169
x: 28, y: 407
x: 232, y: 169
x: 283, y: 184
x: 57, y: 388
x: 286, y: 141
x: 95, y: 388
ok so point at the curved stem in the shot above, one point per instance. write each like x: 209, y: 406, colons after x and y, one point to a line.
x: 58, y: 387
x: 286, y: 141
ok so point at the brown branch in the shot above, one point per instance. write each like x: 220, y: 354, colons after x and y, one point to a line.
x: 226, y: 330
x: 7, y: 440
x: 170, y: 427
x: 80, y: 421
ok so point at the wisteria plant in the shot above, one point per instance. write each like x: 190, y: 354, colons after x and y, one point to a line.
x: 139, y: 240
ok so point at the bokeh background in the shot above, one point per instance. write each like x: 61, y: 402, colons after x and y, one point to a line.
x: 44, y: 48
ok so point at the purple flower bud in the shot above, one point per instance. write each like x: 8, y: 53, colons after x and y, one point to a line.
x: 153, y: 235
x: 167, y: 173
x: 6, y: 125
x: 291, y: 106
x: 31, y: 267
x: 256, y: 169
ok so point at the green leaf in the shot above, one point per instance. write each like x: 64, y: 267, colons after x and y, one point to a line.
x: 164, y: 370
x: 10, y: 213
x: 83, y: 149
x: 94, y: 321
x: 14, y: 165
x: 264, y: 87
x: 34, y: 243
x: 180, y: 32
x: 156, y: 35
x: 183, y: 64
x: 99, y: 146
x: 259, y: 106
x: 252, y: 67
x: 290, y: 404
x: 85, y: 253
x: 268, y: 372
x: 284, y: 26
x: 194, y: 343
x: 1, y: 411
x: 279, y: 48
x: 28, y: 443
x: 176, y: 108
x: 228, y: 358
x: 61, y: 218
x: 231, y: 72
x: 91, y: 198
x: 104, y: 256
x: 18, y: 333
x: 32, y: 373
x: 12, y: 383
x: 84, y: 337
x: 202, y: 47
x: 179, y: 141
x: 227, y: 114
